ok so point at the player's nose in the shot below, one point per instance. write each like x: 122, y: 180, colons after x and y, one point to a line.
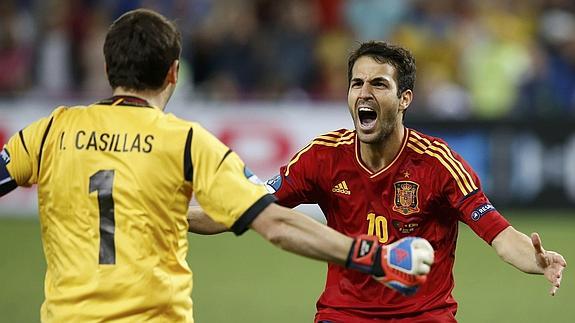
x: 366, y: 91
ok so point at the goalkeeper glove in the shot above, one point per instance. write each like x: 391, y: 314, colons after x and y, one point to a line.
x: 401, y: 266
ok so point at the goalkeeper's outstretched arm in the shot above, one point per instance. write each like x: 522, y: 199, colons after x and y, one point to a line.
x: 286, y: 229
x: 299, y: 234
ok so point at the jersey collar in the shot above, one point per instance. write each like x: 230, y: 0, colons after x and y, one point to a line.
x: 126, y: 100
x: 367, y: 170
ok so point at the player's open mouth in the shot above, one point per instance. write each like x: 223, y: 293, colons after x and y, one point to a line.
x: 367, y: 117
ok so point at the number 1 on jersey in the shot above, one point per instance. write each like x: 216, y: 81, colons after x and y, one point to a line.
x: 103, y: 182
x: 379, y: 225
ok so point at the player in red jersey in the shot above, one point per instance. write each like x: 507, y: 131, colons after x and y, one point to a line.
x: 389, y: 181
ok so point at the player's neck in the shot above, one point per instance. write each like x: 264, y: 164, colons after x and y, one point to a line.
x: 154, y: 98
x: 377, y: 156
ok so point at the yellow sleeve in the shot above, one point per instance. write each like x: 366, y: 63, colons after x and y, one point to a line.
x: 225, y: 188
x: 24, y: 149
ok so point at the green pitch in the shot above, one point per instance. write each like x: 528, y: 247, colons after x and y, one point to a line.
x: 244, y: 279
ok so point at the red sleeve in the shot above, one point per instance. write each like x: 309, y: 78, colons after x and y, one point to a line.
x: 296, y: 183
x: 463, y: 191
x: 481, y: 216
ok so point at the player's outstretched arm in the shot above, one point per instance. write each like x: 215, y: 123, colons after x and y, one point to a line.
x: 302, y: 235
x: 402, y: 266
x: 527, y: 254
x: 199, y: 222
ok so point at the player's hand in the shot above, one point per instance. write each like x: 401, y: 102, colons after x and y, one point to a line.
x: 550, y: 262
x: 402, y: 265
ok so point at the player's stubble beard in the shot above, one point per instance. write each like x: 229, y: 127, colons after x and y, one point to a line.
x: 387, y: 124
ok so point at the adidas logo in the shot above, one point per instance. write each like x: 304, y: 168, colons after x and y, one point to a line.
x: 341, y: 188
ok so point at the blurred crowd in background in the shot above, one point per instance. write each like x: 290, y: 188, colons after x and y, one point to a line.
x: 476, y: 59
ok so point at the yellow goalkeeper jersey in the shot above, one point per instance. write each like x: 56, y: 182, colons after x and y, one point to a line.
x: 114, y: 182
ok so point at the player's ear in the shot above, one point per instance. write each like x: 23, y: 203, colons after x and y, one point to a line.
x: 172, y: 76
x: 405, y: 100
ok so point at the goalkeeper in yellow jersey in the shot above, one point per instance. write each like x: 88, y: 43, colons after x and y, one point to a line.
x: 114, y: 182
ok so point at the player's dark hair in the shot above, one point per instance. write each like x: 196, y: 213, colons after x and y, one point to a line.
x: 139, y: 49
x: 396, y: 56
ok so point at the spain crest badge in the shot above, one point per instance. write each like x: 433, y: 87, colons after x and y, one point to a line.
x: 406, y: 201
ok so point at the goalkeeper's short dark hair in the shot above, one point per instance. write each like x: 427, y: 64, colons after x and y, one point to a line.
x: 139, y: 49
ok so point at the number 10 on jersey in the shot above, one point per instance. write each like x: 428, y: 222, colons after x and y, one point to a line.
x: 377, y: 226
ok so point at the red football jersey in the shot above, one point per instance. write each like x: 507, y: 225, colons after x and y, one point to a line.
x: 425, y: 192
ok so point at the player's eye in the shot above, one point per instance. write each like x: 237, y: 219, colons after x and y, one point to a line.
x: 356, y: 84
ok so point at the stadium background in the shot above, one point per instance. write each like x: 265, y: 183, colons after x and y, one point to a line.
x: 496, y: 79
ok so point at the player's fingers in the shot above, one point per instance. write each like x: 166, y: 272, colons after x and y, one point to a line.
x: 560, y: 260
x: 426, y: 257
x: 536, y: 241
x: 554, y: 274
x: 425, y: 249
x: 558, y: 280
x: 555, y: 259
x: 559, y: 276
x: 556, y: 283
x: 423, y: 258
x: 423, y: 269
